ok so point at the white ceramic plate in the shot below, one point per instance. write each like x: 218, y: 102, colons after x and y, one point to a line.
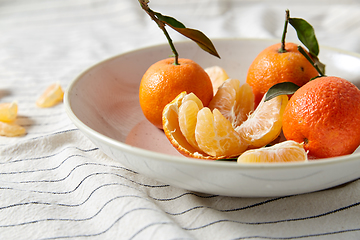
x: 103, y: 103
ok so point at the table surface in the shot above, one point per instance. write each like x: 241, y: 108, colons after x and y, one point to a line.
x: 55, y: 184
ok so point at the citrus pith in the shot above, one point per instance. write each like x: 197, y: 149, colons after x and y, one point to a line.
x: 265, y: 123
x: 234, y: 101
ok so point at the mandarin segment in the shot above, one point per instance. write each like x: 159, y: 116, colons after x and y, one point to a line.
x: 216, y: 136
x: 234, y: 101
x: 188, y: 111
x: 287, y: 151
x: 8, y: 111
x: 51, y: 96
x: 265, y: 123
x: 11, y: 129
x: 218, y: 76
x: 170, y: 118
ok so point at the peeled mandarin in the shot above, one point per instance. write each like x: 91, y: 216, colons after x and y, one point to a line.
x: 170, y: 119
x: 234, y: 101
x: 265, y: 123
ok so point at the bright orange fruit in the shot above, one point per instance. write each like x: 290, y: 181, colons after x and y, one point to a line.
x: 287, y: 151
x: 271, y: 67
x: 325, y: 115
x: 163, y: 81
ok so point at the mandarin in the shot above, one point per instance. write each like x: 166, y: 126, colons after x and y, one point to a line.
x: 163, y: 81
x: 287, y: 151
x: 272, y: 66
x: 325, y: 115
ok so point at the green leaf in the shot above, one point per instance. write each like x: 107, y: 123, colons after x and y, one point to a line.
x: 284, y: 88
x: 169, y: 20
x: 201, y: 39
x: 306, y: 34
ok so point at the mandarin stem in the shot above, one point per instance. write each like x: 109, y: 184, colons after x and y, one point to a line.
x: 176, y: 55
x: 287, y: 16
x: 161, y: 25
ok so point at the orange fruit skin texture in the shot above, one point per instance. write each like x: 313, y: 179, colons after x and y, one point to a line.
x: 271, y: 67
x: 163, y: 81
x: 325, y: 114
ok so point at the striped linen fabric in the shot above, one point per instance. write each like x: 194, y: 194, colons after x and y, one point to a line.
x: 55, y: 184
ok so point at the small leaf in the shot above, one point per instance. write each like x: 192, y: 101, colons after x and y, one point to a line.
x: 201, y: 39
x: 284, y: 88
x: 169, y: 20
x: 306, y: 34
x: 314, y: 60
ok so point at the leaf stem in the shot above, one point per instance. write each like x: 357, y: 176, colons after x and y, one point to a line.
x: 145, y: 7
x: 287, y: 16
x: 303, y: 52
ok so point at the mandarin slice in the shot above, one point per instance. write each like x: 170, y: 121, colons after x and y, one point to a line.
x: 287, y: 151
x: 265, y: 123
x: 216, y: 136
x: 8, y: 111
x: 170, y: 118
x: 235, y: 102
x: 188, y: 111
x: 51, y: 96
x: 217, y: 75
x: 11, y: 129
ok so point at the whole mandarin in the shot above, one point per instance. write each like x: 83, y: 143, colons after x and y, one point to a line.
x: 325, y: 115
x: 272, y: 66
x: 163, y: 81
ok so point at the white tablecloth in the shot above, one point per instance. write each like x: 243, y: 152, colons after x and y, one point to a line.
x: 55, y: 184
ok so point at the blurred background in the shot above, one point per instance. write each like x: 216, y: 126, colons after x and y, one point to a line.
x: 69, y: 36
